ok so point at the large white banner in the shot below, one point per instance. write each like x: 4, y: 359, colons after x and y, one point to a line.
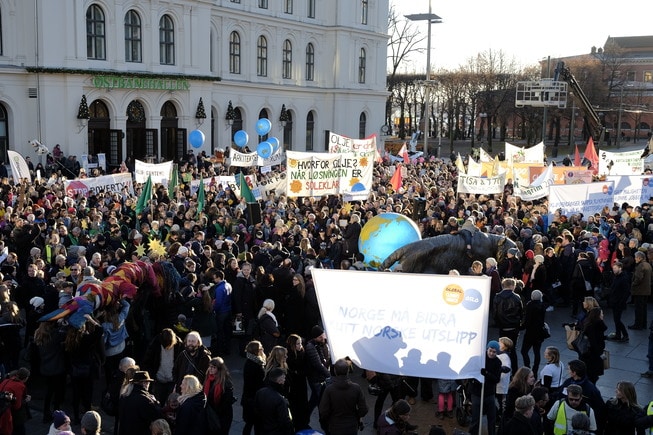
x: 534, y: 154
x: 318, y: 174
x: 19, y: 168
x: 633, y: 189
x: 246, y: 160
x: 431, y: 326
x: 160, y: 172
x: 483, y: 185
x: 94, y: 185
x: 473, y: 169
x: 539, y: 188
x: 224, y: 180
x: 344, y: 144
x: 587, y: 198
x: 273, y: 183
x: 624, y: 163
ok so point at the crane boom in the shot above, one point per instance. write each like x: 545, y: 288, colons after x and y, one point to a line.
x: 591, y: 116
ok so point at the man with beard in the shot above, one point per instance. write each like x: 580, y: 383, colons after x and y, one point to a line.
x: 193, y: 360
x: 271, y: 407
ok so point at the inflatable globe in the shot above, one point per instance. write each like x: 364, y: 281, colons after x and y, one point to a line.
x: 385, y: 233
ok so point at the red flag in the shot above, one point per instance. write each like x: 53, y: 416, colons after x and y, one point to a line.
x: 396, y: 180
x: 577, y: 157
x: 592, y: 156
x: 403, y: 152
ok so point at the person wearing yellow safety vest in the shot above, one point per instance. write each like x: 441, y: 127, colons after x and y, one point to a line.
x: 563, y: 410
x: 644, y: 424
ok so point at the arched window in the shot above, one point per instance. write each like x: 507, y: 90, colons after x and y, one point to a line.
x: 95, y: 33
x: 310, y: 62
x: 310, y: 131
x: 361, y: 66
x: 262, y: 57
x: 362, y: 124
x: 287, y: 60
x: 234, y: 53
x: 263, y: 114
x: 133, y: 38
x: 166, y: 40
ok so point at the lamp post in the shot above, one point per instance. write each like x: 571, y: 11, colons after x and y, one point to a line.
x: 432, y: 19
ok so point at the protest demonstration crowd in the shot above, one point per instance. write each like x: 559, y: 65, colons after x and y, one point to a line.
x: 238, y: 279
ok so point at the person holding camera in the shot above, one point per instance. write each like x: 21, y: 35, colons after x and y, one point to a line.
x: 14, y: 387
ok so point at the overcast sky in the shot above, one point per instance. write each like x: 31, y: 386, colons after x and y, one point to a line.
x: 526, y: 30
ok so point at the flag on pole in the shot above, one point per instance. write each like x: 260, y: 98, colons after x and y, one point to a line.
x: 592, y: 156
x: 484, y: 157
x: 460, y: 165
x: 403, y: 152
x: 396, y: 180
x: 576, y: 157
x: 19, y: 167
x: 245, y: 191
x: 174, y: 181
x: 201, y: 198
x: 145, y: 196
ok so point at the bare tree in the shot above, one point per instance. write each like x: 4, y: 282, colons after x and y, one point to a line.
x: 403, y: 40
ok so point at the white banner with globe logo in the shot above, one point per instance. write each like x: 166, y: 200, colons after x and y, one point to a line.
x: 431, y: 326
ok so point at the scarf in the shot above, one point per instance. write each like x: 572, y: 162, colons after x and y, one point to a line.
x: 255, y: 358
x: 269, y: 313
x: 217, y: 389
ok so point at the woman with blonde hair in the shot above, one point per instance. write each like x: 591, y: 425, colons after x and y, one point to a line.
x: 277, y: 359
x: 622, y: 410
x: 268, y: 326
x: 190, y: 414
x: 160, y: 427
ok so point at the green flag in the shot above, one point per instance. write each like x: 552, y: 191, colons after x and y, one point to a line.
x: 200, y: 198
x: 174, y: 180
x: 245, y: 191
x: 145, y: 196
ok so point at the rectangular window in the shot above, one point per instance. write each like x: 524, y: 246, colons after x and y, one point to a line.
x: 288, y: 6
x: 263, y: 4
x: 311, y: 8
x: 287, y: 60
x: 262, y: 57
x: 235, y: 1
x: 648, y: 76
x: 234, y: 53
x: 364, y: 9
x: 630, y: 76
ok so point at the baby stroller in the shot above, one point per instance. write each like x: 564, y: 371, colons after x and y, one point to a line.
x: 464, y: 402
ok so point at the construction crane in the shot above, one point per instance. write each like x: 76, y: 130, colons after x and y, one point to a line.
x: 592, y: 120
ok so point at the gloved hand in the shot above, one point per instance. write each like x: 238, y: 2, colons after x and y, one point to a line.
x: 505, y: 369
x: 484, y: 372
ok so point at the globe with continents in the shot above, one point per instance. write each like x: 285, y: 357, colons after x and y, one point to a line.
x: 385, y: 233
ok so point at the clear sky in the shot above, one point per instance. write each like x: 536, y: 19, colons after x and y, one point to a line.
x: 526, y: 30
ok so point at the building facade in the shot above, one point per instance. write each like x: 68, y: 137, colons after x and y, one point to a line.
x: 131, y: 79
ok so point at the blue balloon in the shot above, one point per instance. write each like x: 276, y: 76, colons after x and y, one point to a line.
x: 196, y: 138
x: 241, y: 138
x: 264, y: 149
x: 263, y: 126
x: 275, y: 144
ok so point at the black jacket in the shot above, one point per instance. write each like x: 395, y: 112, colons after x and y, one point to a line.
x: 342, y: 406
x: 492, y: 373
x: 620, y: 291
x: 508, y: 309
x: 190, y: 415
x: 272, y: 413
x: 138, y: 411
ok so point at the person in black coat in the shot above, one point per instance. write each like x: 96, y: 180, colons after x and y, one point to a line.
x: 520, y: 423
x: 533, y: 326
x: 139, y: 408
x: 619, y: 294
x: 253, y: 376
x: 271, y: 408
x: 492, y: 373
x: 594, y: 328
x: 190, y: 414
x: 350, y: 236
x: 296, y: 380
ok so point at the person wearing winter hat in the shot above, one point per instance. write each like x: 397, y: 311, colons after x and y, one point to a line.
x: 60, y: 423
x: 492, y: 373
x: 91, y: 423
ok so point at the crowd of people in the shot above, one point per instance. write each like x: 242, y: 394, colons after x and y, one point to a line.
x: 245, y: 285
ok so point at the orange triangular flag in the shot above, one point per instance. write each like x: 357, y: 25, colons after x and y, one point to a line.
x: 396, y: 180
x: 403, y: 152
x: 577, y: 157
x: 592, y: 156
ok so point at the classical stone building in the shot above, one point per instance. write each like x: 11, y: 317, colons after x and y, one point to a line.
x: 131, y: 79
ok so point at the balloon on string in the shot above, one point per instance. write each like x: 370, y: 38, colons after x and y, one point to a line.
x: 241, y: 138
x: 264, y: 149
x: 196, y: 138
x: 263, y: 126
x: 275, y: 144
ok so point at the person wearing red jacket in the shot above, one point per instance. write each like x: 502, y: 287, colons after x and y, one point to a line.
x: 13, y: 420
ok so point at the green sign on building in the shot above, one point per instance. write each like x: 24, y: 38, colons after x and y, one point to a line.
x: 154, y: 84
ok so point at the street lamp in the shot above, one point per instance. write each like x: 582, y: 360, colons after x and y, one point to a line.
x: 432, y: 19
